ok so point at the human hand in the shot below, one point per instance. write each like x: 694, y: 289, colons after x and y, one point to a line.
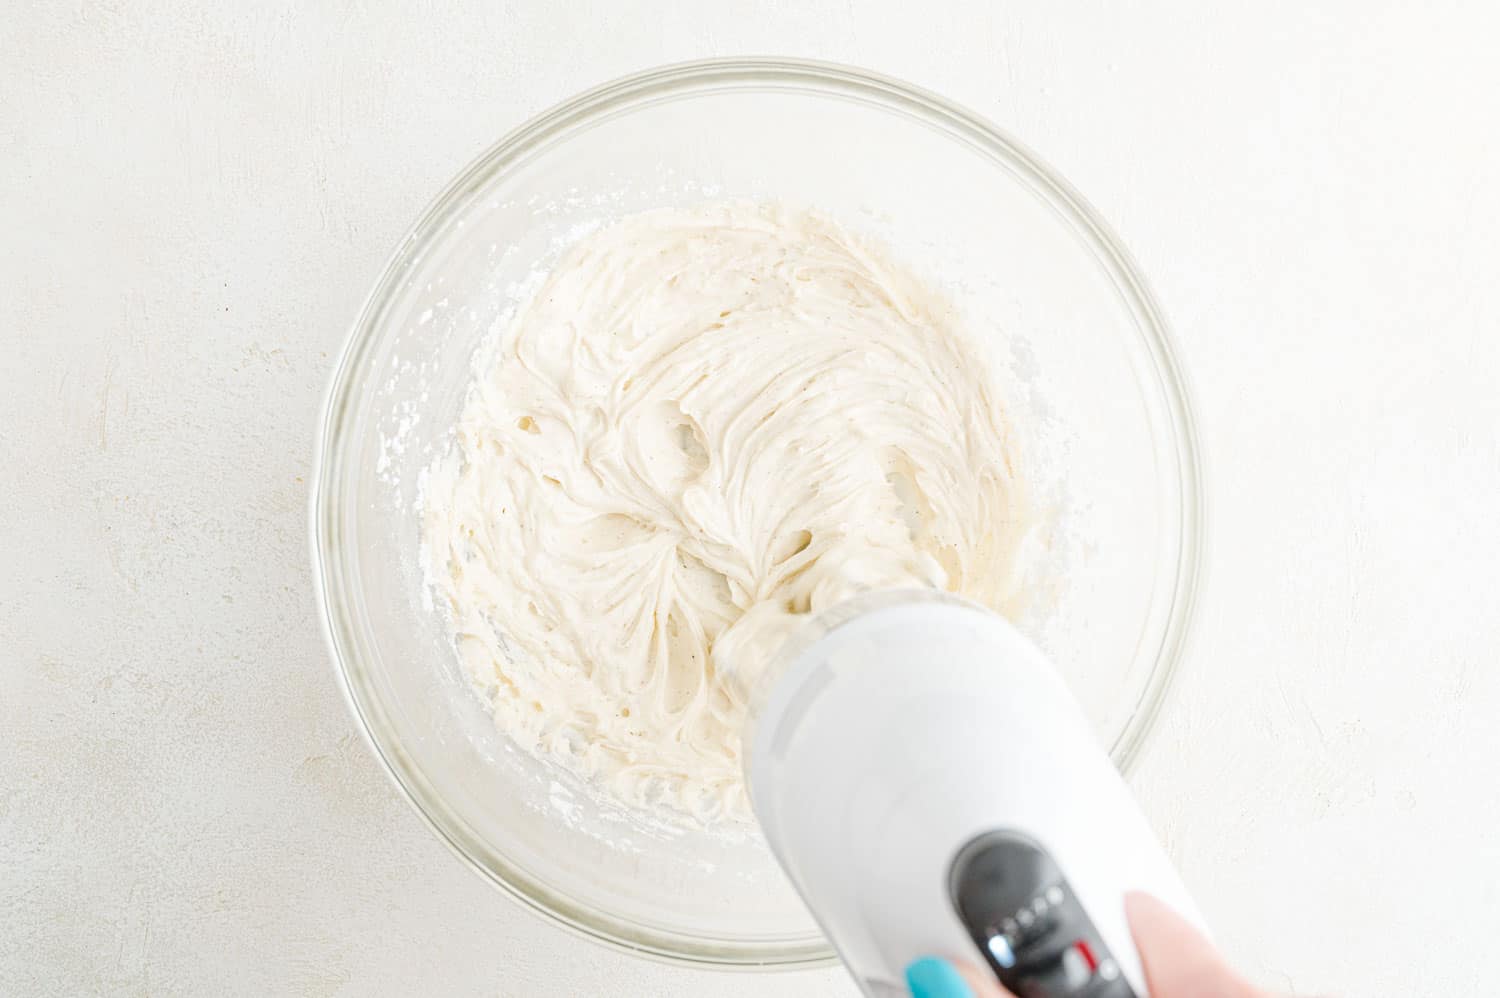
x: 1179, y: 962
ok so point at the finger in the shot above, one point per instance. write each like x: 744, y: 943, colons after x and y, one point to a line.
x: 981, y: 981
x: 1179, y: 961
x: 934, y: 977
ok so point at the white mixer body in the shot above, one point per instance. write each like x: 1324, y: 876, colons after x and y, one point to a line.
x: 933, y: 788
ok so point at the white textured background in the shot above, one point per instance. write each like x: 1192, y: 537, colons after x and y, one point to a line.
x: 194, y: 200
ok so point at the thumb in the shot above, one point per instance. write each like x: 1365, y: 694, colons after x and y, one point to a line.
x: 1179, y: 961
x: 933, y: 977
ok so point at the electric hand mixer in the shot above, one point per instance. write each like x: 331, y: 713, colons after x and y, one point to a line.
x: 932, y: 788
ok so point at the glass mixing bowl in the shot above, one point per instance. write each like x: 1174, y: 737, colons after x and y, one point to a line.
x: 1087, y: 366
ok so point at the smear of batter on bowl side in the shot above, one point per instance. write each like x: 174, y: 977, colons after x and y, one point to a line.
x: 706, y: 424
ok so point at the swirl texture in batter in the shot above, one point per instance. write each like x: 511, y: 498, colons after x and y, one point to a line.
x: 705, y: 425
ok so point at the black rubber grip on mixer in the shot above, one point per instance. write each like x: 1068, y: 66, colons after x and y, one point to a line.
x: 1028, y: 924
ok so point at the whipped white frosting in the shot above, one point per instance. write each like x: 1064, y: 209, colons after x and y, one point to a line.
x: 706, y: 425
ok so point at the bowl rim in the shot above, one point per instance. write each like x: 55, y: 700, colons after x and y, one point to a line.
x: 783, y: 74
